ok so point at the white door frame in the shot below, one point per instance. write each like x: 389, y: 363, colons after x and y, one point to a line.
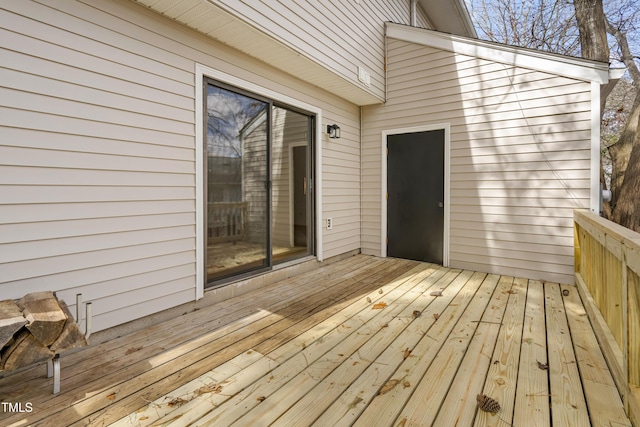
x: 383, y: 196
x: 200, y: 72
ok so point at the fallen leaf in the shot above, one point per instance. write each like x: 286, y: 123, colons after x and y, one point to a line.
x: 416, y: 314
x: 144, y: 418
x: 436, y: 316
x: 406, y: 353
x: 209, y: 388
x: 368, y: 300
x: 390, y: 385
x: 386, y: 325
x: 380, y: 291
x: 261, y: 399
x: 436, y: 293
x: 402, y: 422
x: 132, y: 350
x: 111, y: 396
x: 543, y: 366
x: 511, y: 291
x: 379, y: 306
x: 178, y: 401
x: 355, y: 402
x: 406, y: 384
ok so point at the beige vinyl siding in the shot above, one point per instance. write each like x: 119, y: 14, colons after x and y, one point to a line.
x: 340, y: 35
x: 97, y: 153
x: 519, y: 152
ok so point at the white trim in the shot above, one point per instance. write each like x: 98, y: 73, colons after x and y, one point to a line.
x: 595, y: 148
x: 447, y: 185
x: 576, y: 68
x: 202, y: 71
x: 291, y: 190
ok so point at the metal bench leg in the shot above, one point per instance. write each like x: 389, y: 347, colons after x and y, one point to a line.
x: 53, y: 370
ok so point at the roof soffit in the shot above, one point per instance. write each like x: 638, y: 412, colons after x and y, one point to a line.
x: 217, y: 23
x: 576, y: 68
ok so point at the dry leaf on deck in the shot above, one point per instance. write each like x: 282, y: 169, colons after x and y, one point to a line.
x: 543, y: 366
x: 379, y: 305
x: 380, y: 291
x: 144, y: 418
x: 368, y: 299
x: 261, y: 399
x: 132, y: 350
x: 406, y: 353
x: 436, y: 293
x: 406, y: 384
x: 416, y: 314
x: 436, y: 316
x: 111, y: 396
x: 178, y: 401
x: 209, y: 388
x: 390, y: 385
x: 402, y: 422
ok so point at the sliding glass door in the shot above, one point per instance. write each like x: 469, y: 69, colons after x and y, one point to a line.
x: 258, y: 185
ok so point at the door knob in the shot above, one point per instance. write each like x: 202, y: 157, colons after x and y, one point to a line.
x: 440, y: 204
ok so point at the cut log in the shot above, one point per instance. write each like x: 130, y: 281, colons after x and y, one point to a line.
x: 11, y: 320
x: 45, y: 318
x: 24, y: 351
x: 71, y: 336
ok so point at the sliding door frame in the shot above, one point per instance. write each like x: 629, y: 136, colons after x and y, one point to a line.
x: 202, y: 73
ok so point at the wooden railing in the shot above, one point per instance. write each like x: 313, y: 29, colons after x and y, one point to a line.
x: 607, y: 269
x: 227, y: 221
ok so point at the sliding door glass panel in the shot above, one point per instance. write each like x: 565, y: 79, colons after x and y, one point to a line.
x: 291, y: 204
x: 237, y: 183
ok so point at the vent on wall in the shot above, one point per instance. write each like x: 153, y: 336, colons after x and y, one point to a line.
x: 364, y: 77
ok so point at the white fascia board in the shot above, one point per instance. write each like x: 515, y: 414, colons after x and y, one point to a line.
x: 575, y: 68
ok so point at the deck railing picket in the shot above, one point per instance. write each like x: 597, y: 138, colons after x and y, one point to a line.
x: 607, y: 271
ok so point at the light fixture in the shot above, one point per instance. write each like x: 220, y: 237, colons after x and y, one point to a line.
x: 333, y: 131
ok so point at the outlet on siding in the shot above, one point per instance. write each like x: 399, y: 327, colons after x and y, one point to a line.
x: 329, y: 223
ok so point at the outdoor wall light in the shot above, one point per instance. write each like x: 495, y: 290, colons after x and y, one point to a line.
x: 333, y: 131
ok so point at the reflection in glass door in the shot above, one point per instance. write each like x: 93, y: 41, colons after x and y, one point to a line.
x: 292, y: 204
x: 259, y: 183
x: 237, y: 183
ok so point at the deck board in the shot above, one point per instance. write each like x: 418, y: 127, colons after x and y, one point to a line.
x: 315, y: 349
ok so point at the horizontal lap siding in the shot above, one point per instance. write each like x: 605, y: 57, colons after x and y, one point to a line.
x: 520, y: 157
x: 339, y: 35
x: 97, y: 165
x: 97, y: 153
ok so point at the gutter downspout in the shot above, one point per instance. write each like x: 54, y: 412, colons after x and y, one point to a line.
x: 413, y: 13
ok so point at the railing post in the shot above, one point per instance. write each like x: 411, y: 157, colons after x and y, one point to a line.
x: 625, y: 322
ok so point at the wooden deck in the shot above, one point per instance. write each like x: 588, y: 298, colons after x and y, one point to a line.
x: 364, y: 341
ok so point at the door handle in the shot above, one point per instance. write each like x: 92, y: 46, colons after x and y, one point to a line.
x: 440, y: 204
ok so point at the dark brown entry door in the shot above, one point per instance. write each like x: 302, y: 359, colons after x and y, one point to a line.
x: 415, y: 203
